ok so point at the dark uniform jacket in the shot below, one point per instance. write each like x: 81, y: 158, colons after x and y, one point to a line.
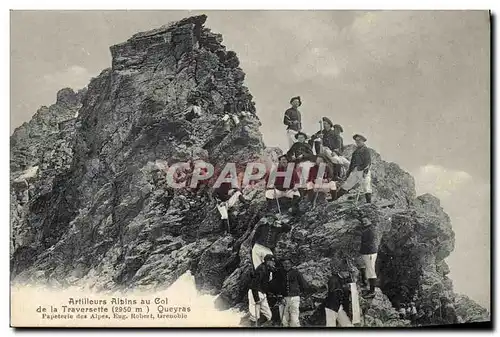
x: 291, y: 283
x: 279, y: 182
x: 329, y: 139
x: 313, y: 173
x: 338, y: 293
x: 268, y: 235
x: 222, y: 192
x: 260, y: 281
x: 293, y: 114
x: 300, y: 149
x: 360, y: 159
x: 368, y: 241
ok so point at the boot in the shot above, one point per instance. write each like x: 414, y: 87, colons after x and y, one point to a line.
x: 263, y: 321
x: 371, y: 293
x: 333, y: 194
x: 364, y: 283
x: 294, y: 210
x: 270, y: 204
x: 340, y: 193
x: 368, y: 197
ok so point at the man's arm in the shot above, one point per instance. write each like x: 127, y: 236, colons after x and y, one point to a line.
x: 291, y: 152
x: 256, y: 234
x: 303, y: 285
x: 287, y: 120
x: 367, y: 159
x: 285, y: 228
x: 257, y: 279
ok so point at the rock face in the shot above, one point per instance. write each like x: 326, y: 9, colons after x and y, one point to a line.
x: 98, y: 208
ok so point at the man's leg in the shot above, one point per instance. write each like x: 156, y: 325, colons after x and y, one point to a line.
x: 222, y: 208
x: 370, y: 272
x: 366, y: 185
x: 294, y: 311
x: 233, y: 199
x: 258, y: 254
x: 251, y: 307
x: 331, y: 318
x: 291, y: 137
x: 370, y: 260
x: 265, y: 310
x: 350, y: 182
x: 343, y: 318
x: 285, y: 315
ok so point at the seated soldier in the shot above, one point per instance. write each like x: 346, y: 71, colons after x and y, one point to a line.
x: 322, y: 184
x: 302, y: 154
x: 278, y: 189
x: 300, y: 151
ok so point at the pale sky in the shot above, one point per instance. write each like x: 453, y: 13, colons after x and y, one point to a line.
x: 416, y: 83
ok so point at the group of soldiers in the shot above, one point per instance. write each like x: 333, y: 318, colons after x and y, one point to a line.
x: 279, y: 278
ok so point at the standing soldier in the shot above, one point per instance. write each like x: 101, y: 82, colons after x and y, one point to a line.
x: 293, y: 120
x: 260, y: 285
x: 359, y: 170
x: 291, y: 285
x: 368, y: 251
x: 338, y: 299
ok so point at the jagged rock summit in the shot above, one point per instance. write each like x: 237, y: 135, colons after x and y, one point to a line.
x: 90, y: 203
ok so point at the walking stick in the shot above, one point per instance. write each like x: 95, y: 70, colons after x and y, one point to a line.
x: 277, y: 201
x: 315, y: 197
x: 257, y: 314
x: 357, y: 198
x: 228, y: 225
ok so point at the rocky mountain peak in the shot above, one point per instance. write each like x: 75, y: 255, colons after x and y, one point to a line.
x: 99, y: 209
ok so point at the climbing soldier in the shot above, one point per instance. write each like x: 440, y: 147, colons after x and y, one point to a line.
x: 230, y: 117
x: 368, y: 251
x: 265, y: 238
x: 281, y: 190
x: 260, y: 285
x: 293, y: 120
x: 359, y: 170
x: 194, y: 110
x: 227, y: 197
x: 291, y: 285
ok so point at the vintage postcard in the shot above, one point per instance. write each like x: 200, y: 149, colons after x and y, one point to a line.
x: 250, y: 169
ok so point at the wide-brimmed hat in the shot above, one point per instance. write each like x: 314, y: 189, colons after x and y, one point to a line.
x: 363, y: 138
x: 296, y: 97
x: 338, y: 126
x: 327, y: 120
x: 300, y: 133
